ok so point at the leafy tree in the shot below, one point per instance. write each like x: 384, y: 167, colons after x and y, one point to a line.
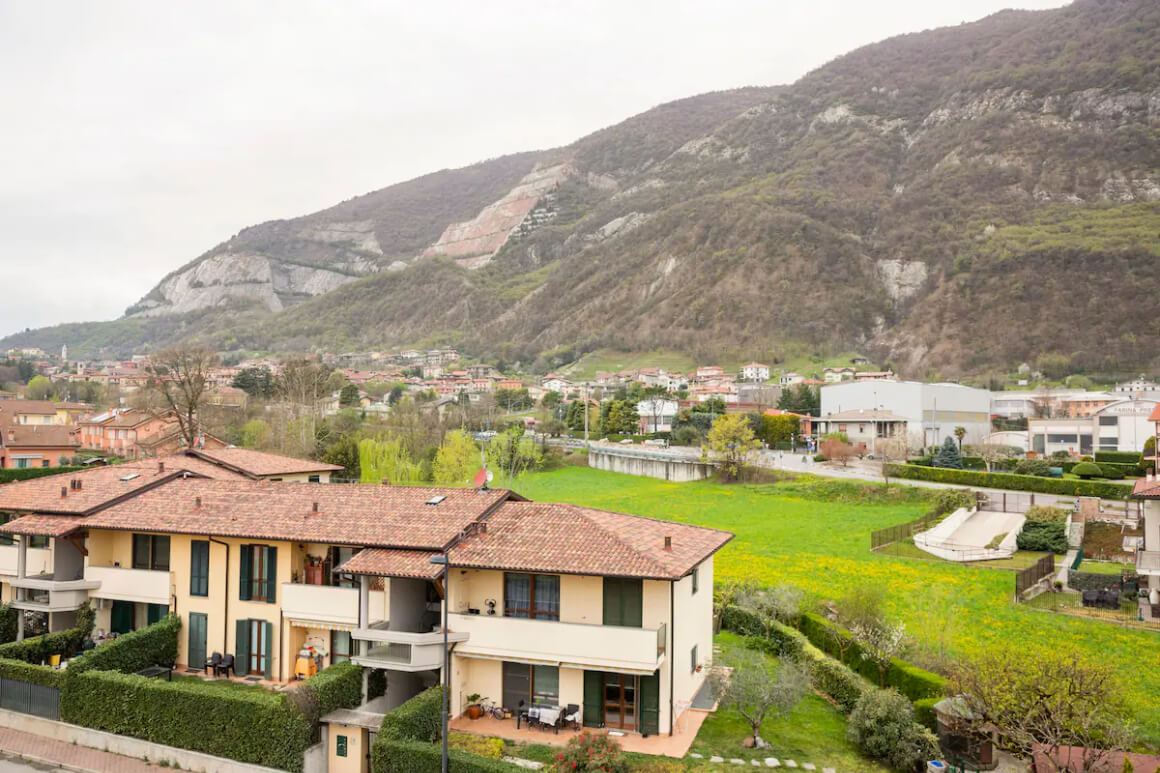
x: 397, y: 391
x: 343, y: 451
x: 837, y: 450
x: 386, y: 460
x: 948, y: 455
x: 731, y: 439
x: 256, y: 434
x: 39, y: 388
x: 779, y: 429
x: 513, y: 453
x: 513, y: 399
x: 348, y: 395
x: 801, y: 398
x: 551, y: 400
x: 456, y: 460
x: 1046, y: 696
x: 256, y: 381
x: 880, y: 642
x: 713, y: 405
x: 758, y: 689
x: 882, y: 726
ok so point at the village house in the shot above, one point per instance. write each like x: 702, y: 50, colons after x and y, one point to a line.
x: 755, y: 371
x: 790, y: 378
x: 42, y: 412
x: 554, y: 383
x: 865, y: 429
x: 37, y: 445
x: 837, y: 375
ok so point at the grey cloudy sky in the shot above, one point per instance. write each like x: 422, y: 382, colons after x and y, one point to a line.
x: 136, y: 135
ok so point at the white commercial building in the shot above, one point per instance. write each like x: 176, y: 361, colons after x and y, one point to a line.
x: 1119, y: 426
x: 932, y: 411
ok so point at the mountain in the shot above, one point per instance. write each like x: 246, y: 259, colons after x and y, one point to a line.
x: 952, y: 201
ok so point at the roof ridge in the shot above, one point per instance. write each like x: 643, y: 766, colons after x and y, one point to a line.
x: 584, y: 513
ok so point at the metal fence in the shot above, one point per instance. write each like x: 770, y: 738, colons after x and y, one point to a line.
x: 902, y: 531
x: 1027, y: 578
x: 29, y: 698
x: 1005, y: 501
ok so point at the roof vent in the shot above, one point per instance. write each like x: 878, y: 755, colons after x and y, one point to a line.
x: 161, y: 467
x: 197, y: 502
x: 668, y: 542
x: 130, y: 476
x: 80, y: 484
x: 433, y: 501
x: 483, y: 527
x: 314, y: 508
x: 63, y: 492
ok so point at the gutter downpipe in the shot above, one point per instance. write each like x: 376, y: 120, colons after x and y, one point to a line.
x: 672, y: 646
x: 226, y: 602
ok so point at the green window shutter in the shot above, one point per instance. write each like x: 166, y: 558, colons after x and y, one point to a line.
x: 155, y: 612
x: 242, y: 649
x: 195, y: 655
x: 269, y: 631
x: 650, y: 704
x: 593, y: 699
x: 246, y: 560
x: 271, y: 575
x: 633, y: 594
x: 612, y: 607
x: 199, y: 568
x: 622, y: 602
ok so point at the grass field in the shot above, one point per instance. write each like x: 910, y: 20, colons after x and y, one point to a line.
x: 794, y: 358
x: 784, y: 535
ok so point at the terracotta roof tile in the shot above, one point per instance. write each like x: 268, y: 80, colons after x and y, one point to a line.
x: 1146, y: 489
x: 384, y: 562
x: 1155, y: 415
x: 260, y: 463
x: 40, y: 407
x: 377, y: 516
x: 39, y: 436
x: 547, y: 537
x: 43, y: 525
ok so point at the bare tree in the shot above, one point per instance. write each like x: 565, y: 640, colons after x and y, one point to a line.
x: 1048, y: 699
x: 757, y: 690
x: 838, y: 450
x: 180, y: 375
x: 302, y: 385
x: 891, y: 449
x: 991, y: 453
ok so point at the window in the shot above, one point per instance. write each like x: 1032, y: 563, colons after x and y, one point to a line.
x: 693, y: 660
x: 1109, y: 421
x: 340, y: 646
x: 531, y: 684
x: 531, y: 595
x: 151, y: 551
x: 7, y: 539
x: 258, y: 573
x: 841, y: 427
x: 696, y: 579
x: 315, y: 479
x: 199, y: 568
x: 1061, y: 438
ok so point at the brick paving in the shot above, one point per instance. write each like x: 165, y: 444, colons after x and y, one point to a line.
x: 67, y: 755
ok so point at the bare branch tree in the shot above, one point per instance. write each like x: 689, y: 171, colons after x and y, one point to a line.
x: 180, y: 375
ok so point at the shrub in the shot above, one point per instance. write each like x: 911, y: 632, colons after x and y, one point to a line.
x: 37, y: 649
x: 7, y: 624
x: 419, y: 719
x: 836, y: 680
x: 252, y: 725
x: 338, y: 686
x: 1087, y: 470
x: 476, y: 744
x: 882, y: 726
x: 27, y: 672
x: 948, y: 500
x: 924, y: 713
x: 1039, y: 467
x: 819, y: 457
x: 398, y: 756
x: 1119, y: 457
x: 1046, y: 514
x: 591, y: 752
x: 1013, y: 482
x: 1045, y: 537
x: 131, y: 652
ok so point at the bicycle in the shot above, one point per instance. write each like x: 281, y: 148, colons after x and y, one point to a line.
x: 493, y: 710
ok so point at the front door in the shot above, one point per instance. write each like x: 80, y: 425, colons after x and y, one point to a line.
x: 259, y: 655
x: 620, y: 701
x: 195, y: 657
x: 121, y: 617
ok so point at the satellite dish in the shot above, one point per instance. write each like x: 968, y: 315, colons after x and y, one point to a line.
x: 490, y: 476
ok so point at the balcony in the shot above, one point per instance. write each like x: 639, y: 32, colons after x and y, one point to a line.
x: 402, y: 650
x: 321, y: 603
x: 44, y: 593
x: 1148, y: 562
x: 579, y: 645
x: 39, y: 560
x: 139, y: 585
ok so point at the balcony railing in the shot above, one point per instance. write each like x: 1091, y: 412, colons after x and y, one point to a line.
x: 1148, y: 562
x: 576, y: 644
x: 38, y: 560
x: 324, y: 603
x: 44, y: 593
x: 146, y: 586
x: 402, y: 650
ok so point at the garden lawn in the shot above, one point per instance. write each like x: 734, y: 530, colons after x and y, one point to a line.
x: 813, y: 732
x: 786, y: 535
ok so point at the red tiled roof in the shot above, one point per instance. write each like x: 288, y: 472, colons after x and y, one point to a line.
x: 568, y: 539
x: 43, y: 525
x: 384, y: 562
x: 39, y: 436
x: 259, y: 463
x: 375, y: 516
x: 1146, y: 489
x: 40, y: 407
x: 99, y: 485
x: 1155, y: 415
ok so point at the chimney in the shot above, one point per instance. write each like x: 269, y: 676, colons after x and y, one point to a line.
x: 668, y: 542
x: 63, y: 492
x: 161, y: 467
x: 80, y: 484
x: 483, y: 527
x: 314, y: 508
x: 197, y: 502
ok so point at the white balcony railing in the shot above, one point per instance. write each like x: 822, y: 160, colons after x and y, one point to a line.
x: 324, y: 603
x: 146, y: 586
x: 574, y: 644
x: 1148, y: 562
x: 45, y: 593
x: 39, y: 560
x: 402, y: 650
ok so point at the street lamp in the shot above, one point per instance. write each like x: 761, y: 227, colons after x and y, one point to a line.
x: 442, y: 560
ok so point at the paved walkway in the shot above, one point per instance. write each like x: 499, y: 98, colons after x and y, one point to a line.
x: 81, y: 759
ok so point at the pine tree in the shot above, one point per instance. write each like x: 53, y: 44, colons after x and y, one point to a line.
x: 948, y: 455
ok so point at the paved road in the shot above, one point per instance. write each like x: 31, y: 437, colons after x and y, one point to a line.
x: 14, y: 765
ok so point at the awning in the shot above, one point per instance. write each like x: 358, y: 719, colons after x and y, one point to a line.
x: 42, y: 525
x: 390, y: 562
x: 588, y: 666
x: 320, y: 626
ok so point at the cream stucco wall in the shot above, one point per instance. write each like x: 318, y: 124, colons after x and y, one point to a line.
x: 300, y: 477
x: 357, y: 749
x: 1151, y: 524
x: 694, y: 626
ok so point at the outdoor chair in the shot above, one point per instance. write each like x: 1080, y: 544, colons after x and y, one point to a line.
x: 572, y: 716
x: 224, y: 667
x: 214, y: 661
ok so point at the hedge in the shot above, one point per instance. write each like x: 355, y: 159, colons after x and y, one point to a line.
x: 27, y: 672
x: 247, y: 725
x: 1041, y: 536
x: 398, y: 756
x: 835, y: 679
x: 36, y: 650
x: 1107, y: 469
x: 131, y: 652
x: 418, y: 719
x: 924, y: 713
x: 1080, y: 580
x: 910, y: 680
x: 1003, y: 480
x: 27, y: 473
x: 336, y: 687
x: 1119, y: 457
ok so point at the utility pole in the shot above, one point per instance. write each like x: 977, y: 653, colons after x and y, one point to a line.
x: 586, y: 407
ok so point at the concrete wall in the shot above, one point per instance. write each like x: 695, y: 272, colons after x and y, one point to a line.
x: 654, y: 466
x: 931, y: 409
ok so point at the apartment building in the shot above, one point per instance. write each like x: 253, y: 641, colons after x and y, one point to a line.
x: 1148, y: 554
x: 41, y: 412
x: 545, y: 602
x: 37, y: 445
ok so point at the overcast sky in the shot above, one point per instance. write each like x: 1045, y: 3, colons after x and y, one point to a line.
x: 136, y: 135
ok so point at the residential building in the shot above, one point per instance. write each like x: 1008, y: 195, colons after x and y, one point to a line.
x: 1139, y: 384
x: 932, y: 411
x: 657, y: 415
x: 1123, y: 425
x: 865, y: 429
x: 837, y: 375
x: 790, y: 378
x: 42, y: 412
x: 1083, y: 404
x: 548, y: 602
x: 1013, y: 405
x: 37, y: 445
x: 554, y: 383
x: 1148, y: 553
x: 755, y: 371
x: 118, y: 432
x: 874, y: 375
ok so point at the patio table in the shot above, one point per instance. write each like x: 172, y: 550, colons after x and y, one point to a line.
x: 155, y: 671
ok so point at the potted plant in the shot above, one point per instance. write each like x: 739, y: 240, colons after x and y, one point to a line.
x: 313, y: 570
x: 474, y: 711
